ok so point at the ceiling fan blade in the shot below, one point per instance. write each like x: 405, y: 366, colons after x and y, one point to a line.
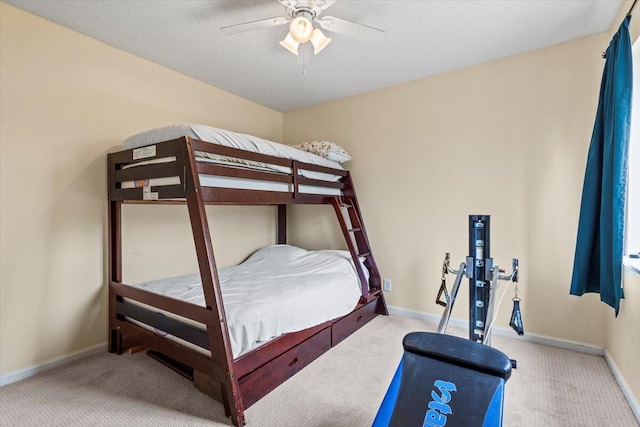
x: 254, y: 25
x: 351, y: 29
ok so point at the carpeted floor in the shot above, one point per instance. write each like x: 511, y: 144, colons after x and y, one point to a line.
x: 551, y: 387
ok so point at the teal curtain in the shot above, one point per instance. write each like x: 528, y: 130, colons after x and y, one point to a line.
x: 597, y: 264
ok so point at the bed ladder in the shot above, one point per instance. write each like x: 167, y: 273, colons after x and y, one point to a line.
x: 355, y: 235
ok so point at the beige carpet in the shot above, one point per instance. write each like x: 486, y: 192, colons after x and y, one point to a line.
x: 551, y: 387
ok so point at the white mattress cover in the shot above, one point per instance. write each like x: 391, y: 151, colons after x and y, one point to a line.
x: 225, y: 138
x: 242, y: 184
x: 277, y: 290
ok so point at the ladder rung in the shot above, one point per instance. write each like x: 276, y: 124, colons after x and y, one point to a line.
x: 351, y: 230
x: 365, y: 254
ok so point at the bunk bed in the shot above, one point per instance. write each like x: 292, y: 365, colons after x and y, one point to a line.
x: 198, y: 165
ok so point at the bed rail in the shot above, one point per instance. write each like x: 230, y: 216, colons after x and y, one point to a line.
x: 119, y: 173
x: 130, y: 182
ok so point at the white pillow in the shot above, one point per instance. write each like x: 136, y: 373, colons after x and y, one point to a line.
x: 327, y: 149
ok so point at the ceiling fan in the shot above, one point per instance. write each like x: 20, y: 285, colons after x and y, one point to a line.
x: 302, y: 15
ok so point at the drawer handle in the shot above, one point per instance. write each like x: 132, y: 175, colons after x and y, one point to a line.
x: 293, y: 362
x: 359, y: 319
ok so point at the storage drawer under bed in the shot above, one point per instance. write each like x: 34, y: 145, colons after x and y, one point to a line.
x: 354, y: 321
x: 255, y: 385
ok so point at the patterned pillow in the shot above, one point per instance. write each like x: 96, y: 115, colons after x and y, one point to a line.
x: 327, y: 149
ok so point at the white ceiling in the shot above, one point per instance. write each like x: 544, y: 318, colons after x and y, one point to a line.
x: 423, y: 38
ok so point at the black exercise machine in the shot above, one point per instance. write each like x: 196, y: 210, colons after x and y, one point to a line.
x: 449, y: 381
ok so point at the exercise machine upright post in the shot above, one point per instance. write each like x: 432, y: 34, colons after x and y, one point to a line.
x: 479, y: 286
x: 484, y: 277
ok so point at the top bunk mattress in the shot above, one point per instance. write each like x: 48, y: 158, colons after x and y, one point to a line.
x: 228, y: 139
x: 277, y: 290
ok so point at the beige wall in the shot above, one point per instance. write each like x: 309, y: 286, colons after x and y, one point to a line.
x: 66, y: 101
x: 524, y: 124
x: 508, y: 138
x: 623, y: 334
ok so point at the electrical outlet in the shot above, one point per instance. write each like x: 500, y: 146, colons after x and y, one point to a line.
x: 386, y: 285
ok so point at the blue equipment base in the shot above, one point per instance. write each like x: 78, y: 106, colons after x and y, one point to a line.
x: 445, y: 381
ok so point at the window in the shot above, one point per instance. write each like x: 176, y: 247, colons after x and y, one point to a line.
x: 632, y: 227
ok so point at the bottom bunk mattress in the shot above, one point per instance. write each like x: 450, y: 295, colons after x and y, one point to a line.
x: 277, y: 290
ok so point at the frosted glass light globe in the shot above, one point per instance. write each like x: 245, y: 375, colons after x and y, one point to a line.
x: 301, y: 29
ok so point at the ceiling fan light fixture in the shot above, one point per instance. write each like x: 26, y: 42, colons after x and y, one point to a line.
x: 301, y: 29
x: 319, y: 41
x: 290, y: 44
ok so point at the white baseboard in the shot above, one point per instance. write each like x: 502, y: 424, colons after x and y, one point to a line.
x: 628, y: 394
x: 22, y: 374
x: 506, y: 332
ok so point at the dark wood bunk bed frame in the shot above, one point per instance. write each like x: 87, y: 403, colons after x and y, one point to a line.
x: 240, y: 382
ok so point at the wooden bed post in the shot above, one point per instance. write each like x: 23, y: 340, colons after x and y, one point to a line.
x: 115, y: 271
x: 115, y: 258
x: 281, y: 225
x: 219, y: 341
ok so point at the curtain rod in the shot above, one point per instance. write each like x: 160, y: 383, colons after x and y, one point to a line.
x: 604, y: 54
